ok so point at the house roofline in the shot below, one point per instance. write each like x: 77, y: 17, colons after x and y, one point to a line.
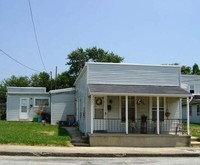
x: 27, y: 93
x: 61, y: 90
x: 140, y: 94
x: 81, y: 73
x: 133, y: 64
x: 11, y: 87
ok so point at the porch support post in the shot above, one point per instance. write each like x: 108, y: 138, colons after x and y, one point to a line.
x: 126, y: 114
x: 188, y: 116
x: 92, y: 114
x: 158, y: 116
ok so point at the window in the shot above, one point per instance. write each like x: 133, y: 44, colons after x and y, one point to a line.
x: 190, y: 110
x: 161, y: 108
x: 191, y: 88
x: 41, y: 102
x: 131, y: 108
x: 198, y: 110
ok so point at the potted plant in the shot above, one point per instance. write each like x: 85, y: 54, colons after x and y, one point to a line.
x: 167, y: 114
x: 144, y: 118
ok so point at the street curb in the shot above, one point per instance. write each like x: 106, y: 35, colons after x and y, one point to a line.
x: 51, y: 154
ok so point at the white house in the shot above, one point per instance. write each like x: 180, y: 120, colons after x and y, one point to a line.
x: 131, y: 105
x: 23, y: 103
x: 115, y: 104
x: 192, y: 84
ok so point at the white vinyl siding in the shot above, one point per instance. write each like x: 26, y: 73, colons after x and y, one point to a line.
x: 82, y: 103
x: 62, y: 104
x: 133, y: 74
x: 13, y: 107
x: 192, y: 82
x: 195, y: 118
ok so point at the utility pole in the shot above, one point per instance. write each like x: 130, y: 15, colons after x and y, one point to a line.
x: 51, y: 79
x: 56, y: 72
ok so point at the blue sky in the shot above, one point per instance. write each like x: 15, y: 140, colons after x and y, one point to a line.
x: 142, y: 31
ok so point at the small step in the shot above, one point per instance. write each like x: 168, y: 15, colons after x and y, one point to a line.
x: 81, y: 144
x: 195, y: 139
x: 195, y: 144
x: 79, y: 141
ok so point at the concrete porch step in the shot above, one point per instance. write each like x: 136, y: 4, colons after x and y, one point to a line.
x: 197, y: 139
x: 195, y: 144
x: 81, y: 144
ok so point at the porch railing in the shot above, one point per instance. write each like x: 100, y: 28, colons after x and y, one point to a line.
x: 149, y: 126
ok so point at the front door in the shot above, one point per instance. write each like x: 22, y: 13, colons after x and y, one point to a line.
x: 24, y: 102
x: 99, y: 122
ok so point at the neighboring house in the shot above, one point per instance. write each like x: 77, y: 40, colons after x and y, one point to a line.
x: 131, y: 105
x: 63, y: 105
x: 24, y: 103
x: 192, y: 84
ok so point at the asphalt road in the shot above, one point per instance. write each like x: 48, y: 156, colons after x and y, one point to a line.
x: 24, y: 160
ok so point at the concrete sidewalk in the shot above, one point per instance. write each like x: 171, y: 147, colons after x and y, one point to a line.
x: 20, y: 150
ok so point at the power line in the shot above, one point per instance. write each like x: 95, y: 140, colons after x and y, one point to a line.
x: 36, y: 38
x: 18, y: 61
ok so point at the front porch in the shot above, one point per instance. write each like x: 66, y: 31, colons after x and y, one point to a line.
x: 137, y: 116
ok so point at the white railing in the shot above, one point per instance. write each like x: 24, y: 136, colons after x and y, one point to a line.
x: 149, y: 126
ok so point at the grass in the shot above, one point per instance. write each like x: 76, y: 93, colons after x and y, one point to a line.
x: 195, y: 129
x: 29, y: 133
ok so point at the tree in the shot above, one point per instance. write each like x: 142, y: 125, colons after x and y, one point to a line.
x: 22, y: 81
x: 195, y: 69
x: 13, y: 81
x: 63, y: 80
x: 78, y: 58
x: 186, y: 69
x: 41, y: 80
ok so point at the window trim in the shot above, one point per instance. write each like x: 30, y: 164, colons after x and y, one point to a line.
x: 161, y: 108
x: 190, y: 110
x: 46, y: 98
x: 198, y: 110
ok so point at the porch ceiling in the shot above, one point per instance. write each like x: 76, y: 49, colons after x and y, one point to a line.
x: 137, y: 90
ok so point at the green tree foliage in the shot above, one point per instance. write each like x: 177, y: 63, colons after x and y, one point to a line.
x: 195, y: 69
x: 41, y: 80
x: 63, y: 80
x: 78, y: 58
x: 186, y: 69
x: 22, y: 81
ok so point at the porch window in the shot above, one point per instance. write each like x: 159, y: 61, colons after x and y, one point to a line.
x: 198, y: 110
x: 131, y: 108
x: 161, y: 108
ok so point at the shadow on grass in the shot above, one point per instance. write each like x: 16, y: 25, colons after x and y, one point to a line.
x: 63, y: 132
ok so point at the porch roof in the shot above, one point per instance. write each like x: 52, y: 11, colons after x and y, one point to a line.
x: 137, y: 90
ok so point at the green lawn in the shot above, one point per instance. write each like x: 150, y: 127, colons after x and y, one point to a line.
x: 29, y: 133
x: 195, y: 129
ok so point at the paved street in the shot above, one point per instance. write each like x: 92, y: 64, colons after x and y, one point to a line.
x: 23, y: 160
